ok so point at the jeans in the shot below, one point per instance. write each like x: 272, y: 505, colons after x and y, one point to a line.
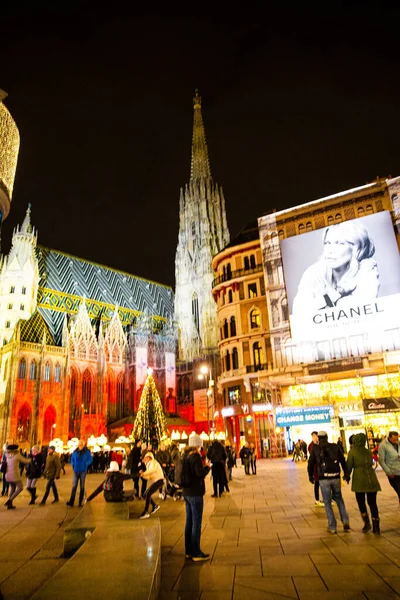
x: 50, y: 485
x: 246, y: 462
x: 157, y: 485
x: 371, y: 499
x: 331, y: 490
x: 253, y: 465
x: 395, y: 483
x: 194, y: 515
x: 218, y: 476
x: 75, y: 478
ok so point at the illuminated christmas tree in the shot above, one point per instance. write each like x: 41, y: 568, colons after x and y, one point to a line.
x: 150, y: 422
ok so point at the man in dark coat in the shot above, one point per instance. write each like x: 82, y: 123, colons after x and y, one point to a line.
x: 217, y: 456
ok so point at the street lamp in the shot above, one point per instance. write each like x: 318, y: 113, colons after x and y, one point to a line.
x: 204, y: 371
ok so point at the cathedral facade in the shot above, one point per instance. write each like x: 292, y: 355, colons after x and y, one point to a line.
x: 77, y: 339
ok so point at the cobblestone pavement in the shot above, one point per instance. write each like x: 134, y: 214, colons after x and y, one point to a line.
x: 267, y: 540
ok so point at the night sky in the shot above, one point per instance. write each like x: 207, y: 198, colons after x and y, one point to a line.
x: 296, y: 106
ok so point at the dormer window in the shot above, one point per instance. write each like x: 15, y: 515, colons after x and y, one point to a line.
x: 22, y: 307
x: 12, y: 289
x: 8, y: 324
x: 24, y: 290
x: 10, y: 306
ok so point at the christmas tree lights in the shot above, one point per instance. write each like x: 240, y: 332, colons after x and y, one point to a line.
x: 150, y: 423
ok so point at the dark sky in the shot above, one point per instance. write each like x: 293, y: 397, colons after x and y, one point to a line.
x: 296, y: 105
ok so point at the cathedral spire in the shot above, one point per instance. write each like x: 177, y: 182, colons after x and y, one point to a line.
x: 26, y: 225
x: 200, y: 166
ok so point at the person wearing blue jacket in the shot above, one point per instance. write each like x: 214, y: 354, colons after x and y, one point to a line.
x: 81, y: 459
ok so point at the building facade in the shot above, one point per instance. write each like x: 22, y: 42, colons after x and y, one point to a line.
x: 77, y: 338
x: 332, y: 281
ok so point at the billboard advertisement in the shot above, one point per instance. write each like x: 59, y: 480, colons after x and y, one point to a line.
x: 202, y: 402
x: 343, y: 280
x: 303, y: 415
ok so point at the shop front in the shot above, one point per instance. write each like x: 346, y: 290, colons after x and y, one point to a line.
x: 298, y: 423
x: 350, y: 420
x: 381, y: 416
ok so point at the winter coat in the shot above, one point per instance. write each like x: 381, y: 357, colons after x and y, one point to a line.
x: 310, y: 447
x: 34, y: 469
x: 216, y: 453
x: 244, y: 453
x: 52, y: 468
x: 197, y: 472
x: 153, y: 471
x: 115, y: 481
x: 135, y: 460
x: 14, y: 458
x: 81, y: 460
x: 163, y: 457
x: 231, y: 459
x: 389, y: 457
x: 328, y: 458
x: 359, y: 460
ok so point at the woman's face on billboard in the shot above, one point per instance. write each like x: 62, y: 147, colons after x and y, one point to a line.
x: 338, y: 252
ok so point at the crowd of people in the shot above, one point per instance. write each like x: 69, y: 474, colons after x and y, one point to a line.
x: 327, y: 462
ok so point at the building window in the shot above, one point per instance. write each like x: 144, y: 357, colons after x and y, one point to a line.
x: 301, y: 228
x: 47, y: 372
x: 252, y: 262
x: 252, y: 287
x: 86, y: 391
x: 57, y: 373
x: 22, y: 307
x: 230, y: 296
x: 195, y: 311
x: 360, y: 211
x: 227, y: 361
x: 233, y: 326
x: 246, y: 263
x: 330, y: 220
x: 22, y: 369
x: 33, y: 371
x: 235, y: 359
x: 24, y: 290
x: 12, y: 289
x: 369, y: 210
x: 234, y: 395
x: 193, y: 229
x: 258, y: 355
x: 120, y: 396
x: 225, y: 329
x: 258, y: 393
x: 285, y: 311
x: 309, y: 226
x: 281, y: 234
x: 8, y: 324
x: 338, y: 218
x: 270, y: 274
x: 227, y: 270
x: 10, y: 307
x: 255, y: 318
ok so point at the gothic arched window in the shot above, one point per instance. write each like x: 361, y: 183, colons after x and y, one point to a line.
x: 309, y: 226
x: 120, y: 396
x: 302, y: 228
x: 330, y: 220
x: 360, y: 211
x: 57, y: 373
x: 369, y: 209
x: 235, y: 359
x: 33, y: 371
x: 195, y: 311
x: 228, y: 361
x: 47, y: 372
x: 22, y: 369
x: 338, y: 218
x: 246, y: 263
x: 285, y: 311
x: 225, y: 329
x: 87, y: 391
x: 230, y: 296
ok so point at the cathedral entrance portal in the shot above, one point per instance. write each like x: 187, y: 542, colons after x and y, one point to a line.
x: 24, y: 421
x: 49, y: 424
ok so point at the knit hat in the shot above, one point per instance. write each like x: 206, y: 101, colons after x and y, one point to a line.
x: 322, y: 434
x: 195, y: 441
x: 113, y: 467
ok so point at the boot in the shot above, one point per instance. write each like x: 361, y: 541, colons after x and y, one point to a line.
x: 375, y: 526
x: 367, y: 523
x: 32, y: 492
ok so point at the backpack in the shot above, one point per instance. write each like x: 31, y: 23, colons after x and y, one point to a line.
x: 328, y: 463
x: 107, y: 485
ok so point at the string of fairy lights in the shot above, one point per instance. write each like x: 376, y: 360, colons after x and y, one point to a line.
x: 150, y: 420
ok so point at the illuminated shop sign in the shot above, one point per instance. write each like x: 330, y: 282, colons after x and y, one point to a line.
x: 304, y: 415
x: 228, y: 411
x: 333, y: 366
x: 343, y: 280
x: 260, y: 408
x: 373, y: 405
x: 345, y: 408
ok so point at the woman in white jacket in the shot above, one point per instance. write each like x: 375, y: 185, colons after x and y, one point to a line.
x: 155, y: 480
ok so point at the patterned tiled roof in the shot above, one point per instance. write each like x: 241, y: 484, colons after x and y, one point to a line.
x: 34, y: 329
x: 66, y: 279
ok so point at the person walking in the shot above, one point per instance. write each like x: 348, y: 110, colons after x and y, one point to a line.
x: 3, y: 468
x: 231, y: 460
x: 364, y: 481
x: 52, y: 472
x: 245, y: 457
x: 13, y: 475
x: 154, y: 476
x: 217, y: 456
x: 81, y: 459
x: 193, y: 475
x: 318, y: 503
x: 389, y: 459
x: 34, y: 472
x: 253, y: 459
x: 329, y: 458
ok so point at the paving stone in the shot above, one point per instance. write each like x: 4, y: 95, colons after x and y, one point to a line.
x: 350, y: 578
x: 305, y: 584
x: 303, y: 546
x: 248, y: 571
x: 261, y: 587
x: 363, y: 555
x: 388, y: 570
x: 394, y: 583
x: 203, y: 576
x: 337, y: 595
x: 288, y: 565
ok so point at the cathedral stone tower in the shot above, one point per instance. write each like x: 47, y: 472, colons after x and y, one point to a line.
x: 203, y: 232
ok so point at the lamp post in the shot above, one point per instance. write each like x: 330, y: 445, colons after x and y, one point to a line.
x: 205, y: 371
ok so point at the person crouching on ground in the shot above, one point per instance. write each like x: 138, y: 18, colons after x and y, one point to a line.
x: 114, y: 484
x: 364, y: 481
x: 193, y: 475
x: 155, y: 480
x: 13, y: 474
